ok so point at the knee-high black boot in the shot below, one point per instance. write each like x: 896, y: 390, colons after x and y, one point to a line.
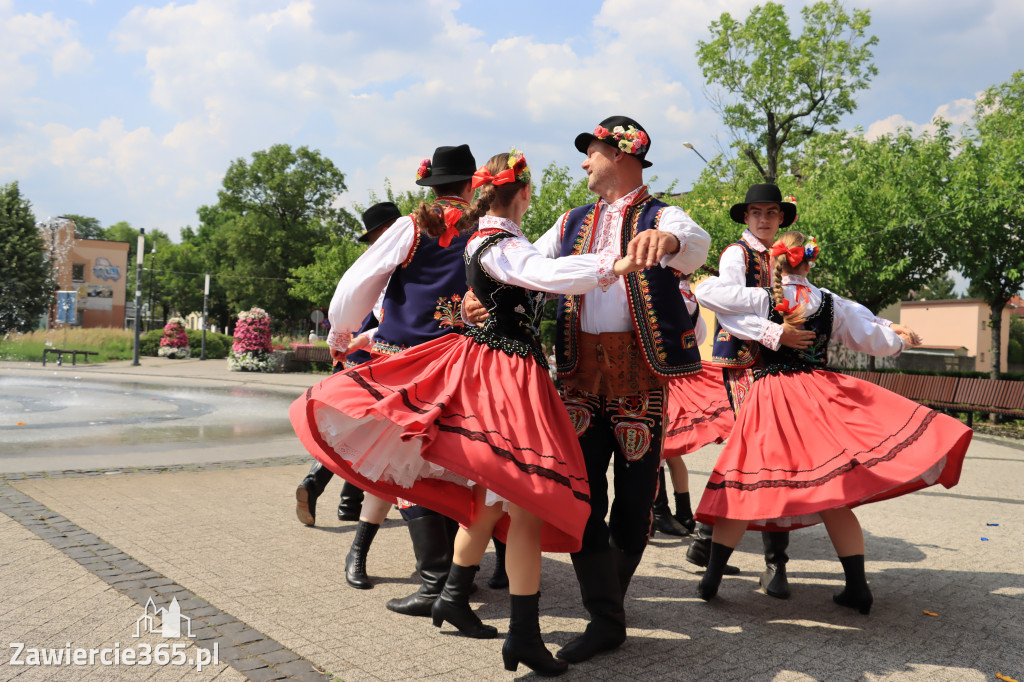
x: 453, y: 605
x: 597, y: 573
x: 663, y: 519
x: 774, y: 580
x: 524, y: 643
x: 857, y: 594
x: 625, y: 565
x: 309, y: 490
x: 707, y: 588
x: 355, y: 562
x: 433, y: 554
x: 684, y: 513
x: 499, y: 579
x: 699, y: 551
x: 351, y: 502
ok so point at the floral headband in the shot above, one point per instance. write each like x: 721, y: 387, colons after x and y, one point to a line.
x: 630, y: 140
x: 517, y: 171
x: 424, y: 170
x: 797, y: 254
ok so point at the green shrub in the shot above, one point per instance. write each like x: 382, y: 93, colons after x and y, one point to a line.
x: 217, y: 345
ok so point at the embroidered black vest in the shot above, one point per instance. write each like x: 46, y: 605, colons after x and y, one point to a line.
x: 728, y: 351
x: 656, y: 305
x: 514, y: 325
x: 423, y: 300
x: 793, y: 360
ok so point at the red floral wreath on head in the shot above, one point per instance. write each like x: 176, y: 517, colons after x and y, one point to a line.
x: 424, y: 170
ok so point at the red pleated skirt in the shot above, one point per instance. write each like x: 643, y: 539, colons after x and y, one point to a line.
x: 429, y: 423
x: 698, y: 412
x: 808, y: 442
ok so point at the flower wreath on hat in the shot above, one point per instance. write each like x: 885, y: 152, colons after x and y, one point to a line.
x: 424, y: 170
x: 517, y: 171
x: 630, y: 140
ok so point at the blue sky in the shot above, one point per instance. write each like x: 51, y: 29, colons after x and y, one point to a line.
x: 132, y: 111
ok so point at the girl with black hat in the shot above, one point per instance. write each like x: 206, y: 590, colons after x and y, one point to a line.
x: 471, y: 424
x: 811, y: 444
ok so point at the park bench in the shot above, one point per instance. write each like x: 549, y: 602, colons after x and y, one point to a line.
x: 307, y: 352
x: 61, y: 352
x: 955, y: 394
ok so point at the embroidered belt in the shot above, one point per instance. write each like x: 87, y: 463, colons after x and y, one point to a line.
x: 611, y: 364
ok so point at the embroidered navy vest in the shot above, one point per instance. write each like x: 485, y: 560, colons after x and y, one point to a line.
x: 656, y: 305
x: 793, y: 360
x: 514, y: 323
x: 729, y: 351
x: 362, y: 355
x: 423, y: 300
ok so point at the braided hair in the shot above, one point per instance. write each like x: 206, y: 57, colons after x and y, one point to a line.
x: 782, y: 267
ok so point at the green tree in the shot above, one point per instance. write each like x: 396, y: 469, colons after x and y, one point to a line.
x: 26, y: 283
x: 555, y: 193
x: 989, y: 183
x: 777, y: 90
x: 86, y: 227
x: 937, y: 288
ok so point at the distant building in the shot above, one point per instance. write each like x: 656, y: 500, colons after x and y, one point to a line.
x: 95, y: 269
x: 957, y: 327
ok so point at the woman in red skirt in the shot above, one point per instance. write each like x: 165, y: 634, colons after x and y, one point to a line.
x: 470, y: 424
x: 811, y: 444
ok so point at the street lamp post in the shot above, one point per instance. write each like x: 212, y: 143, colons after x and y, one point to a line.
x: 206, y: 296
x: 694, y: 149
x: 138, y: 291
x: 149, y: 316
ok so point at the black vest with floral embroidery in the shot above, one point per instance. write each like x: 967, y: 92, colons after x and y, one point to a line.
x: 791, y: 359
x: 729, y: 351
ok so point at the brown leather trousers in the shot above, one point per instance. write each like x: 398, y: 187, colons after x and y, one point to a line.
x: 611, y: 364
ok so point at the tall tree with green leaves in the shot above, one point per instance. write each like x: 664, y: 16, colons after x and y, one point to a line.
x: 776, y: 90
x: 989, y: 184
x: 26, y: 282
x: 554, y: 193
x: 86, y: 227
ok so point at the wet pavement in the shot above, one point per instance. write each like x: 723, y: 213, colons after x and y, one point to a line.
x: 85, y: 543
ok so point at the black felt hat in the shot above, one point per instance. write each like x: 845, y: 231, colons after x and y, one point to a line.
x: 450, y: 164
x: 378, y: 215
x: 620, y: 132
x: 764, y: 193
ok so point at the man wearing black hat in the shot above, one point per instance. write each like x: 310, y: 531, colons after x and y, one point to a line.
x: 616, y: 350
x: 746, y: 264
x: 376, y: 219
x: 423, y: 280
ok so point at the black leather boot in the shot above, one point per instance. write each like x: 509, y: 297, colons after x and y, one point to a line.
x: 597, y: 573
x: 308, y: 492
x: 857, y: 594
x: 433, y: 559
x: 625, y: 566
x: 699, y: 552
x: 351, y: 502
x: 707, y: 588
x: 663, y: 519
x: 453, y: 605
x: 684, y: 514
x: 355, y: 562
x: 499, y: 579
x: 774, y: 580
x: 524, y: 643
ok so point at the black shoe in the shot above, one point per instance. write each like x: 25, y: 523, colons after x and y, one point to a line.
x: 305, y: 501
x: 699, y: 551
x: 600, y: 582
x: 430, y: 544
x: 453, y: 605
x: 707, y: 588
x: 524, y: 643
x: 499, y: 579
x: 857, y: 594
x: 351, y: 503
x: 684, y: 514
x: 667, y: 524
x: 774, y: 579
x: 355, y: 562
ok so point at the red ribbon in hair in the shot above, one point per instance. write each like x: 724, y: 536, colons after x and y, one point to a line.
x: 794, y: 255
x: 484, y: 177
x: 451, y: 219
x: 785, y: 307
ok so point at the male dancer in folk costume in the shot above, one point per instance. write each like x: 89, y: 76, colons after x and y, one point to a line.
x: 423, y: 281
x: 743, y: 264
x: 616, y: 350
x: 376, y: 219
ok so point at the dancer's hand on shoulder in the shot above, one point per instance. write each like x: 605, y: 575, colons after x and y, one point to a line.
x: 795, y: 337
